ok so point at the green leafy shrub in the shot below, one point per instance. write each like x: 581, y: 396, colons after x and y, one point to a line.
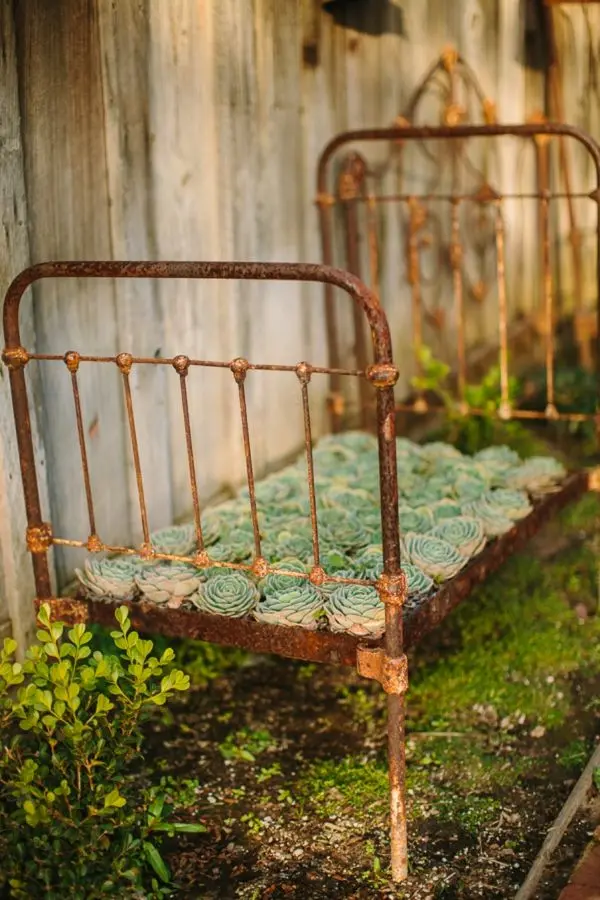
x: 72, y: 820
x: 470, y: 433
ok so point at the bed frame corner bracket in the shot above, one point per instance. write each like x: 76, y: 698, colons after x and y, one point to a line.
x: 390, y: 672
x: 39, y: 538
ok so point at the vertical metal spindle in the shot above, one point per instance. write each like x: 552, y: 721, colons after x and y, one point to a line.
x: 504, y: 410
x: 239, y: 368
x: 543, y: 177
x: 125, y: 362
x: 456, y: 254
x: 72, y: 363
x: 373, y: 243
x: 351, y: 185
x: 325, y: 203
x: 181, y: 364
x: 304, y: 372
x: 415, y: 224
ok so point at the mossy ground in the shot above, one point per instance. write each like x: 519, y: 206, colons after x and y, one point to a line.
x: 289, y: 759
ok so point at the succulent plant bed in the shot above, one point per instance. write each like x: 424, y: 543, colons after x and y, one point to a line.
x: 451, y: 506
x: 503, y: 710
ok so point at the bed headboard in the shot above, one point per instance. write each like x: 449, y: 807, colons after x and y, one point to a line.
x: 438, y: 221
x: 379, y: 378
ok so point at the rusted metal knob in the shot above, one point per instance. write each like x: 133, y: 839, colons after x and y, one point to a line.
x: 125, y: 362
x: 72, y: 360
x: 304, y: 372
x: 382, y: 375
x: 181, y: 364
x: 239, y: 367
x: 15, y: 357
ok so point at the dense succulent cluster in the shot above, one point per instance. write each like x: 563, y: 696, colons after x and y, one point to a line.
x: 450, y: 505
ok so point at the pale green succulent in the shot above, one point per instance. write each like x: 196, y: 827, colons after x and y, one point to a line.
x: 436, y: 557
x: 168, y: 584
x: 513, y: 504
x: 418, y: 519
x: 537, y: 475
x: 112, y: 579
x: 465, y: 533
x: 293, y: 541
x: 369, y: 563
x: 275, y: 584
x: 177, y: 540
x: 298, y: 605
x: 356, y: 610
x: 469, y: 487
x: 445, y: 509
x: 338, y: 528
x: 228, y: 594
x: 494, y: 521
x: 418, y: 583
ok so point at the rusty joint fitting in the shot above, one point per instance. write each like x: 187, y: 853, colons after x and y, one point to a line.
x: 260, y: 567
x: 239, y: 368
x: 181, y: 364
x: 454, y: 114
x: 317, y: 576
x: 392, y: 589
x: 390, y: 672
x: 15, y: 357
x: 505, y: 412
x: 382, y: 375
x: 202, y: 559
x: 39, y: 538
x: 72, y: 360
x: 146, y: 551
x: 304, y: 372
x: 94, y: 544
x: 420, y: 406
x: 595, y: 195
x: 449, y: 57
x: 551, y: 412
x: 124, y: 362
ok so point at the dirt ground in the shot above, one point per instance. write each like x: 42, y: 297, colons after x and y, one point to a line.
x: 285, y: 762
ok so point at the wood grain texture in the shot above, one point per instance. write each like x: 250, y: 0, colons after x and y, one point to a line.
x: 16, y: 577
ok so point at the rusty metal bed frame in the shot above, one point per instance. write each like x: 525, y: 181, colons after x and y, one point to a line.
x: 350, y: 198
x: 383, y: 660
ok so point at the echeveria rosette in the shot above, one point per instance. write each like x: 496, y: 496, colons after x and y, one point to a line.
x: 355, y: 499
x: 371, y: 522
x: 176, y: 540
x: 465, y: 533
x: 419, y: 584
x: 445, y: 509
x: 368, y: 565
x: 339, y: 529
x: 356, y: 610
x: 299, y: 605
x: 468, y: 487
x: 336, y: 562
x: 495, y: 523
x: 274, y: 583
x: 426, y: 492
x: 538, y: 474
x: 436, y: 557
x: 513, y: 504
x: 168, y: 584
x: 293, y: 541
x: 228, y: 594
x: 436, y: 450
x: 111, y: 579
x: 497, y: 461
x: 418, y: 519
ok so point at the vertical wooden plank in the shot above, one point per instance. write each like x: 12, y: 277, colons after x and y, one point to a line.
x: 16, y: 576
x: 193, y: 210
x: 124, y: 44
x: 65, y: 171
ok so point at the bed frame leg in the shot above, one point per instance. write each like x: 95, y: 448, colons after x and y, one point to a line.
x: 392, y: 674
x: 397, y: 771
